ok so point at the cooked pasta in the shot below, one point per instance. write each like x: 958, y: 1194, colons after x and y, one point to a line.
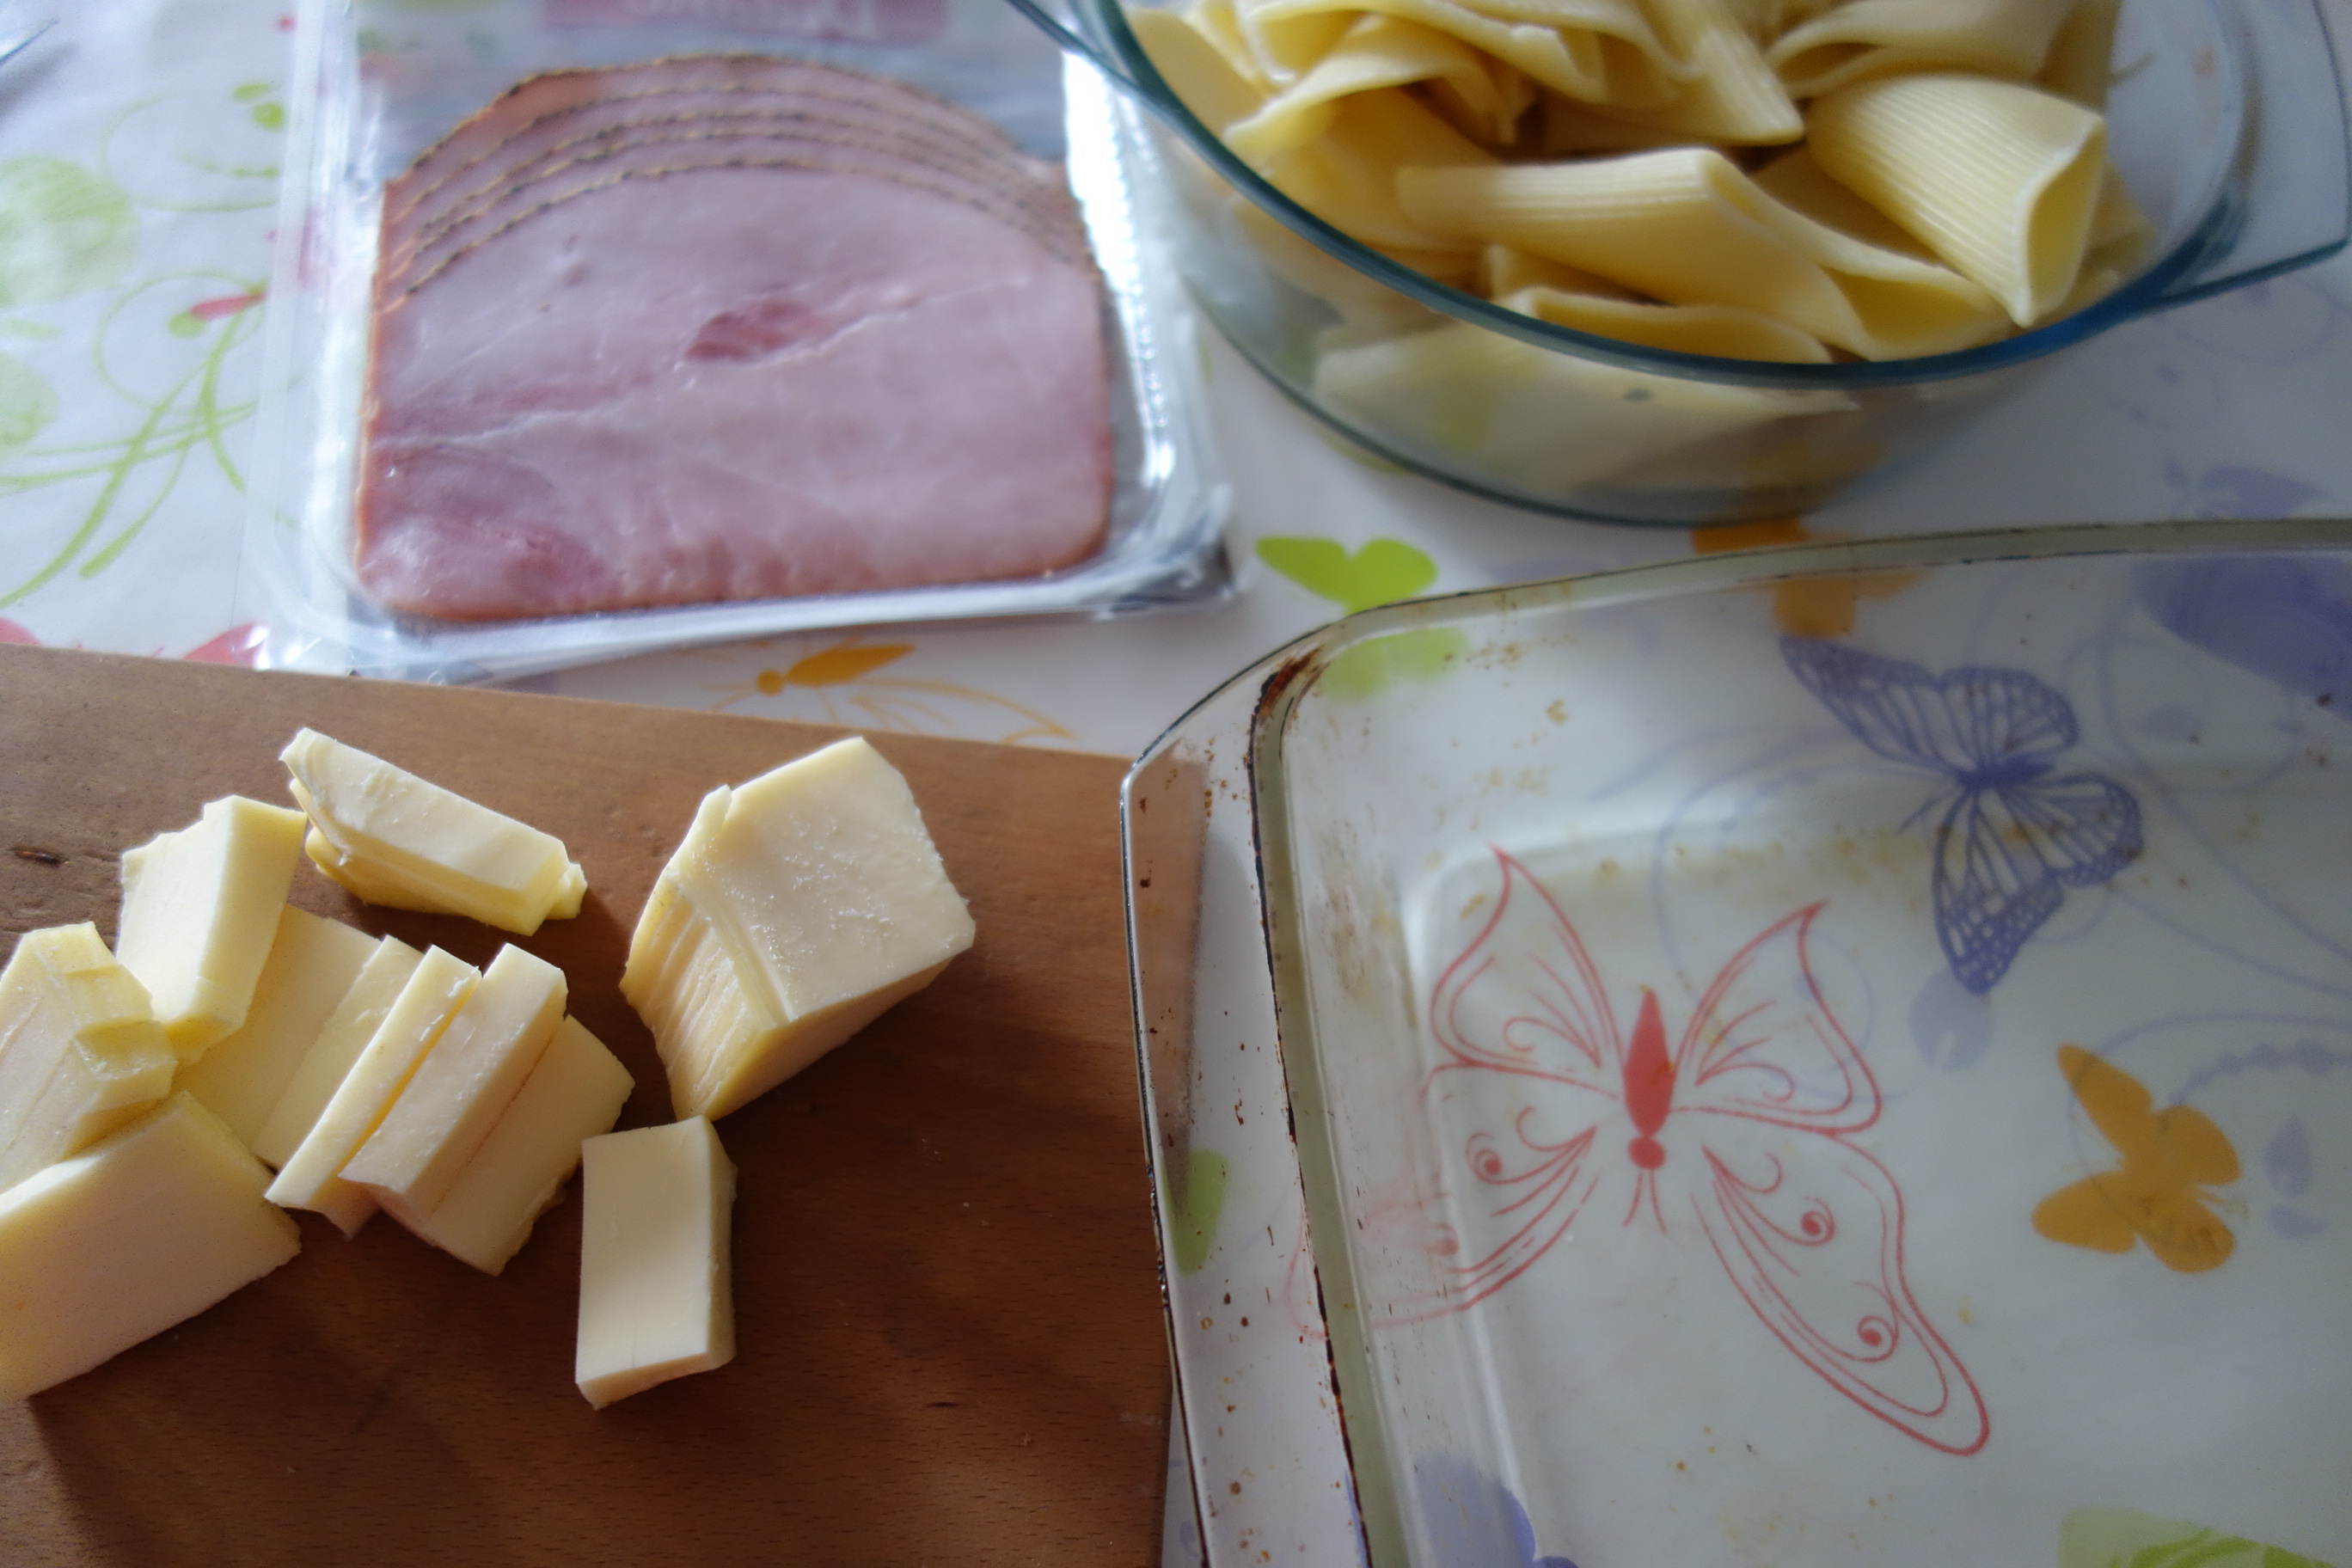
x: 1599, y: 51
x: 1761, y: 179
x: 1686, y: 228
x: 1870, y: 38
x: 1719, y: 331
x: 1998, y: 179
x: 1381, y: 51
x: 1733, y: 97
x: 1185, y: 54
x: 1491, y: 398
x: 1349, y: 179
x: 2077, y: 66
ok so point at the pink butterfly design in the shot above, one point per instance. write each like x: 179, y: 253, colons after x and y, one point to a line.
x: 1741, y: 1130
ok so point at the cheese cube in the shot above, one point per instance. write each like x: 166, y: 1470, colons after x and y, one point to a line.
x: 140, y: 1231
x: 311, y: 1177
x: 655, y: 1298
x: 311, y: 965
x: 798, y: 907
x: 199, y: 913
x: 394, y: 840
x: 575, y: 1092
x: 359, y: 1012
x: 79, y: 1052
x: 463, y: 1086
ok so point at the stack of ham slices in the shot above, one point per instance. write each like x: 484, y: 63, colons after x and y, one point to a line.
x: 722, y: 328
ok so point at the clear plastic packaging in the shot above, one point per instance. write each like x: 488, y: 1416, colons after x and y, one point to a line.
x: 375, y: 85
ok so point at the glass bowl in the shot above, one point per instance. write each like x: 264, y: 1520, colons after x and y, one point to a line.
x: 1837, y: 1054
x: 2226, y: 120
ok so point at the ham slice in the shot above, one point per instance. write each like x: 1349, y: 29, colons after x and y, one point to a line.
x: 680, y: 350
x: 555, y: 102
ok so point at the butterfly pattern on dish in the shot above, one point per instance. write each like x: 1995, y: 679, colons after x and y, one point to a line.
x: 2155, y: 1194
x: 1740, y: 1133
x: 2014, y: 833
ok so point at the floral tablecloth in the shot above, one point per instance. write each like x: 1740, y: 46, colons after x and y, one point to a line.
x: 139, y: 142
x: 139, y: 148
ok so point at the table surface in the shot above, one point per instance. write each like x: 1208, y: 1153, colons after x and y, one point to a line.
x: 139, y: 151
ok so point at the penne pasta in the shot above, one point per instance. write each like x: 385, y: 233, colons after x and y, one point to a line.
x: 1686, y: 226
x: 1211, y: 85
x: 1563, y: 126
x: 1721, y: 331
x: 2078, y: 65
x: 1871, y: 38
x: 1598, y: 50
x: 1503, y: 271
x: 1382, y: 51
x: 1347, y: 176
x: 1796, y: 180
x: 1539, y: 421
x: 1998, y: 179
x: 1565, y: 158
x: 1768, y: 19
x: 1733, y: 97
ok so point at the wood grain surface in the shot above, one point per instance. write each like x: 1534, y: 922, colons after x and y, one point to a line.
x: 951, y: 1350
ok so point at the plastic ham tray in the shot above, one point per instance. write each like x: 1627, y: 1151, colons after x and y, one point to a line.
x: 1832, y: 1055
x: 377, y: 85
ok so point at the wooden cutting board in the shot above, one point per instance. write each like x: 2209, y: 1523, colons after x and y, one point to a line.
x: 946, y: 1294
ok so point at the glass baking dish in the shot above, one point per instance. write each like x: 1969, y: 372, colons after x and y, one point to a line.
x: 1837, y: 1054
x: 2225, y: 120
x: 376, y: 83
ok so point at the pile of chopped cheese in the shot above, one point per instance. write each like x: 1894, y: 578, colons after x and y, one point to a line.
x: 164, y: 1103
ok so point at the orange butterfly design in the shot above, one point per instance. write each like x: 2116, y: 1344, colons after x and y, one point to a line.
x: 2157, y: 1195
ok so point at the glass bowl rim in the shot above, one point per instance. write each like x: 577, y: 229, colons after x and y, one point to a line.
x: 2218, y: 203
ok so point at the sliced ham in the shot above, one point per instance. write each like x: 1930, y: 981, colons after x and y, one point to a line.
x: 553, y: 98
x: 1042, y: 210
x: 660, y: 376
x: 713, y: 126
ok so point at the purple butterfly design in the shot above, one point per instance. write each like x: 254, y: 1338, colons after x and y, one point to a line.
x: 2014, y: 833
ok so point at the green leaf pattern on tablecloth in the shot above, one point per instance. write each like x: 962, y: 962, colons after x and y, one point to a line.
x: 150, y: 395
x: 2125, y: 1538
x: 63, y: 231
x: 27, y: 403
x: 1380, y: 571
x: 1197, y: 1200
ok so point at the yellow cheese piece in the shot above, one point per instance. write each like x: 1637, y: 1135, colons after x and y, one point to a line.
x: 199, y: 913
x: 311, y: 965
x: 357, y: 1016
x: 79, y: 1052
x: 394, y: 840
x: 798, y: 907
x: 311, y: 1177
x: 655, y: 1296
x: 137, y: 1233
x: 575, y: 1092
x: 463, y: 1086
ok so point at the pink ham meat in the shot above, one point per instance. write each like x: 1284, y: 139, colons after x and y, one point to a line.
x: 734, y: 142
x: 762, y: 365
x: 554, y: 105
